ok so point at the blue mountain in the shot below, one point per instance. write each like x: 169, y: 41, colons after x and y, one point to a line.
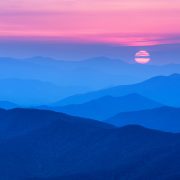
x: 163, y: 118
x: 75, y: 148
x: 16, y: 122
x: 7, y: 105
x: 164, y: 89
x: 108, y: 106
x: 88, y: 74
x: 28, y: 92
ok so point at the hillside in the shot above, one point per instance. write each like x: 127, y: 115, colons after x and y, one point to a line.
x: 108, y: 106
x: 163, y: 118
x: 74, y: 147
x: 163, y: 89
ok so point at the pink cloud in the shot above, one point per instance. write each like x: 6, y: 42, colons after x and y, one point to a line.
x: 135, y: 21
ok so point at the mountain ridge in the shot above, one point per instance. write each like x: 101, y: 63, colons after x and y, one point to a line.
x: 154, y: 88
x: 163, y: 118
x: 107, y: 106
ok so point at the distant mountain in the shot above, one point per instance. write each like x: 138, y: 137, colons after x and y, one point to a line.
x: 164, y: 89
x: 72, y: 148
x: 32, y: 92
x: 27, y: 92
x: 91, y: 74
x: 7, y: 105
x: 108, y: 106
x: 67, y: 73
x: 164, y: 119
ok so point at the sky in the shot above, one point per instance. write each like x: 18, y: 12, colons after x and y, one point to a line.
x: 130, y: 22
x: 111, y: 22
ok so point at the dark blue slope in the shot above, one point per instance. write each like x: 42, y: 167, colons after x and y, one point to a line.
x: 72, y: 145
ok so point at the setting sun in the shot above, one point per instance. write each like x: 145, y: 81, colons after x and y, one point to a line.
x: 142, y: 57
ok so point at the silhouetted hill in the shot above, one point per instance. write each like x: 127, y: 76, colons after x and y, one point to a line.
x: 164, y: 89
x: 108, y: 106
x: 16, y: 122
x: 164, y: 118
x: 131, y: 152
x: 75, y: 147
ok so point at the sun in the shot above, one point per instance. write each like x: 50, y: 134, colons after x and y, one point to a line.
x: 142, y: 57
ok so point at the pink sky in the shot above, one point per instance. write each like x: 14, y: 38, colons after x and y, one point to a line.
x: 130, y: 22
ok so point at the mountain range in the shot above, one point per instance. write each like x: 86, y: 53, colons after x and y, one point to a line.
x: 108, y: 106
x: 42, y: 80
x: 84, y: 124
x: 26, y: 92
x: 7, y: 105
x: 163, y: 118
x: 89, y: 74
x: 72, y: 148
x: 163, y: 89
